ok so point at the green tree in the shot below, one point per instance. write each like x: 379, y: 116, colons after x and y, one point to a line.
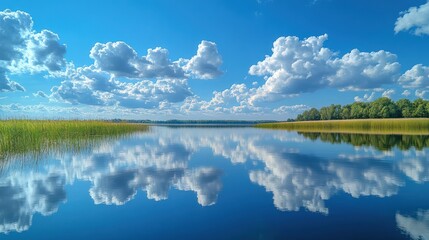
x: 325, y: 114
x: 359, y: 110
x: 313, y: 114
x: 420, y: 110
x: 383, y: 108
x: 405, y: 107
x: 345, y: 112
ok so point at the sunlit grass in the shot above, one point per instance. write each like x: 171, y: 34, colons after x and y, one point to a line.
x: 381, y: 126
x: 37, y: 137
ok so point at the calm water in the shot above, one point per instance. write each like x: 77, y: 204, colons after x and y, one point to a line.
x: 222, y: 183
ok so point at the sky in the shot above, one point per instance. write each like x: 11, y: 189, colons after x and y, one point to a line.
x: 214, y: 59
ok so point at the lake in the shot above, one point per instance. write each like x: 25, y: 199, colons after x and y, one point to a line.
x: 221, y: 183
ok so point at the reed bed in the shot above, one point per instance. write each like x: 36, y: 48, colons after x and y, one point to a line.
x: 37, y: 137
x: 418, y: 126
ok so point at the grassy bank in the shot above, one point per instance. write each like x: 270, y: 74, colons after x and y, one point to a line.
x: 376, y: 126
x: 20, y: 137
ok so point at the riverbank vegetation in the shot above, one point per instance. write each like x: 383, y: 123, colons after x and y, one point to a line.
x: 380, y: 108
x: 381, y: 126
x: 381, y: 142
x: 19, y: 137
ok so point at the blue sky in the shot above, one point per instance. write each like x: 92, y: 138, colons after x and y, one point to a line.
x: 207, y: 59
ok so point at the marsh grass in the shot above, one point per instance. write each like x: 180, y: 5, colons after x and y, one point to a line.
x: 418, y: 126
x: 19, y: 138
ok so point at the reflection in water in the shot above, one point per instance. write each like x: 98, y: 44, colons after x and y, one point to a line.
x: 299, y: 173
x: 298, y: 180
x: 380, y: 142
x: 416, y: 227
x: 23, y: 195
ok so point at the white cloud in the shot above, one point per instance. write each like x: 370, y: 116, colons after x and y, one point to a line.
x: 366, y: 98
x: 416, y: 227
x: 416, y: 77
x: 388, y: 93
x: 94, y: 87
x: 40, y: 94
x: 24, y: 50
x: 148, y: 94
x: 119, y: 59
x: 234, y: 100
x: 8, y: 85
x: 102, y: 83
x: 44, y: 53
x: 16, y: 28
x: 421, y: 93
x: 297, y: 66
x: 406, y: 93
x: 291, y: 109
x: 364, y: 70
x: 415, y: 19
x: 206, y: 63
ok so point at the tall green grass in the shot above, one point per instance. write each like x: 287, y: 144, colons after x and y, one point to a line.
x: 36, y: 137
x: 382, y: 126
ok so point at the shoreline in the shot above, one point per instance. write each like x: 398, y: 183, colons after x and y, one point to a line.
x: 394, y: 126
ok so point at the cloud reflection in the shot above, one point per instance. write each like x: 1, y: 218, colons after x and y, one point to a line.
x: 155, y: 163
x: 21, y: 196
x: 417, y: 227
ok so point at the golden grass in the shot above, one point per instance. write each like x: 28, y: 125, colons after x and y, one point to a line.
x: 419, y: 126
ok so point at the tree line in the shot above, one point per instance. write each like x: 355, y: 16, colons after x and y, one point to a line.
x: 381, y: 108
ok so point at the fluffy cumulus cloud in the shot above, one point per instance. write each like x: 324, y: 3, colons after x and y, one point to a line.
x: 119, y: 59
x: 298, y: 66
x: 415, y: 19
x: 416, y: 227
x: 158, y: 81
x: 206, y: 63
x: 22, y: 49
x: 364, y: 70
x: 416, y: 77
x: 233, y: 100
x: 91, y: 86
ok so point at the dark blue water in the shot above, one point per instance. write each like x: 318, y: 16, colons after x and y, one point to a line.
x: 222, y: 183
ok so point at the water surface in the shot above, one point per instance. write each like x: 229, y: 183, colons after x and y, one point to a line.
x: 221, y: 183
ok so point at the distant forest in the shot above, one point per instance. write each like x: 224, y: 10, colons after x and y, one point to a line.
x: 381, y: 108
